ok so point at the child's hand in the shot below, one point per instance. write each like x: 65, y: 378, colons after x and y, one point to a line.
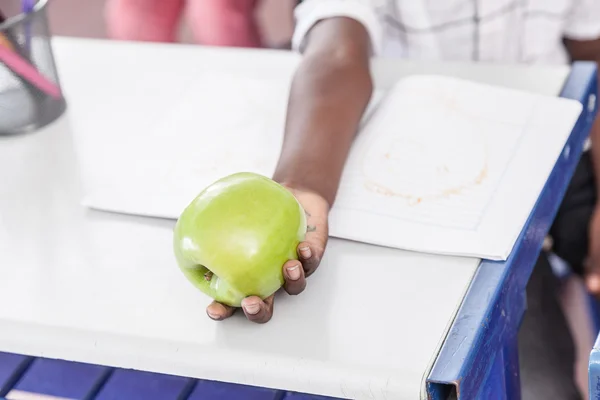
x: 295, y: 272
x: 593, y: 262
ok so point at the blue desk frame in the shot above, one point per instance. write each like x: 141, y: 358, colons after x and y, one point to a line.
x: 478, y: 360
x: 594, y: 371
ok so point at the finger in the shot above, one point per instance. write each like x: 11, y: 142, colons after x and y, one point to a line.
x: 218, y: 311
x: 257, y: 310
x: 308, y: 257
x: 592, y: 278
x: 592, y: 281
x: 293, y: 273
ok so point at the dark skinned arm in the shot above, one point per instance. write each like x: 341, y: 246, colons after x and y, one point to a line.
x: 329, y: 94
x: 590, y: 51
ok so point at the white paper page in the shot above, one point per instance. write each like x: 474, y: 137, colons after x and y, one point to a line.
x: 443, y: 165
x: 452, y: 167
x: 224, y: 124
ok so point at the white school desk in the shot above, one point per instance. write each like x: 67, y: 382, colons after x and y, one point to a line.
x: 102, y: 288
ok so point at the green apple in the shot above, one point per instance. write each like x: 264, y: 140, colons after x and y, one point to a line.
x: 233, y: 239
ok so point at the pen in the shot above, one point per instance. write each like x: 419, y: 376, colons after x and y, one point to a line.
x: 27, y: 72
x: 20, y: 66
x: 27, y: 7
x: 4, y: 40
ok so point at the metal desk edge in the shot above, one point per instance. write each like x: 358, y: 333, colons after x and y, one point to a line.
x: 594, y: 371
x: 473, y: 335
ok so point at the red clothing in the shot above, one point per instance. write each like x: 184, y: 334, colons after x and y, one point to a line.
x: 213, y: 22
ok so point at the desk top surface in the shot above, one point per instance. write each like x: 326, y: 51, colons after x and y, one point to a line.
x: 103, y: 288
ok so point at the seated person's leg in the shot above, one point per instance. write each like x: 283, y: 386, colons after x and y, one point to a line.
x: 143, y: 20
x: 546, y: 347
x: 225, y: 22
x: 574, y: 299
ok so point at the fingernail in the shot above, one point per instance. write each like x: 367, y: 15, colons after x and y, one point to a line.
x: 251, y: 308
x: 213, y: 315
x: 294, y: 272
x: 305, y: 252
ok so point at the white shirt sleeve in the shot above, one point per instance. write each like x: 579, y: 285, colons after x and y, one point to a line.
x: 583, y: 23
x: 309, y: 12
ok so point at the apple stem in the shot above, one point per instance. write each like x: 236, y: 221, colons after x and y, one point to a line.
x: 208, y: 276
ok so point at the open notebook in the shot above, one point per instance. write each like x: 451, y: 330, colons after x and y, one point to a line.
x: 440, y: 165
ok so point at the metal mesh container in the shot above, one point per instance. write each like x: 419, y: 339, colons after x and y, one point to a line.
x: 30, y: 95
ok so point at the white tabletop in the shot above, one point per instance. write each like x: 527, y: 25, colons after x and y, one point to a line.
x: 103, y: 288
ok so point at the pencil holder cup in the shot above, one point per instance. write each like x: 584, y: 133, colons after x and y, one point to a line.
x: 30, y: 94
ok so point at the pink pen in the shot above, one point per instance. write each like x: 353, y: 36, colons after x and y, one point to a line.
x: 28, y: 72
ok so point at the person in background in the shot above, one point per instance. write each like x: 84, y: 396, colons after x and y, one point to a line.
x: 333, y: 85
x: 213, y: 22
